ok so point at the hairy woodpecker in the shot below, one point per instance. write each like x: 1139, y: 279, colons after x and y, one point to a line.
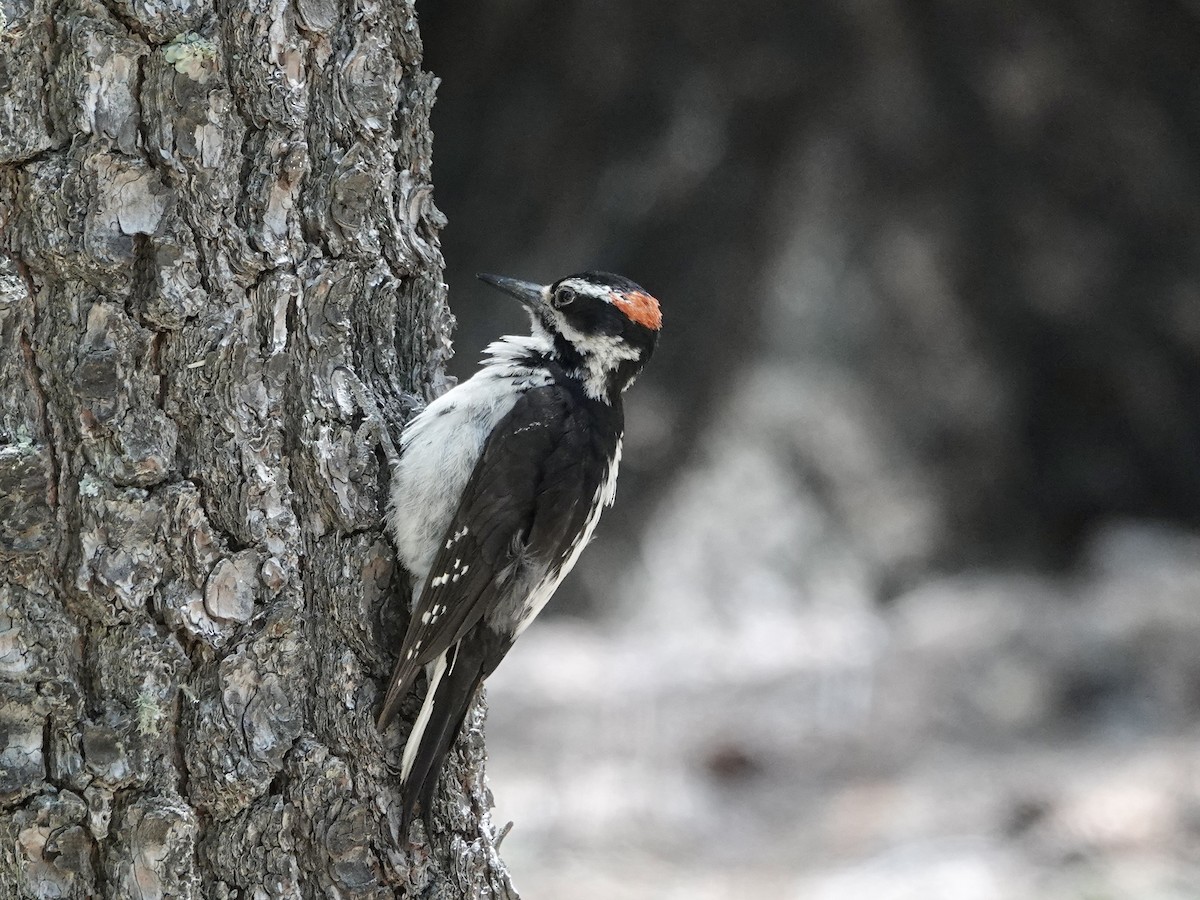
x: 498, y: 487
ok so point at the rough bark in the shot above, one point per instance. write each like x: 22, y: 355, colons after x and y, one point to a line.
x: 208, y: 209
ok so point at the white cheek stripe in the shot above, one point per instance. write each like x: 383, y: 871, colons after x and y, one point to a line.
x: 602, y: 354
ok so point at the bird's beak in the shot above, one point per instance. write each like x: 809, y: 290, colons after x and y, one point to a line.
x: 527, y: 292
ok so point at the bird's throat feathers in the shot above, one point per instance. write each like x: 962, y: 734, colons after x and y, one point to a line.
x: 604, y: 364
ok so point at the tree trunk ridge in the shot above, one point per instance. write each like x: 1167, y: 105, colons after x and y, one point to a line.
x: 207, y: 210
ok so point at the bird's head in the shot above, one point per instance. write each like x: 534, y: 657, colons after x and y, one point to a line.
x: 602, y: 328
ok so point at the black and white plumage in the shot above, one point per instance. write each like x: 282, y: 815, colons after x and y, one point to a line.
x: 499, y: 485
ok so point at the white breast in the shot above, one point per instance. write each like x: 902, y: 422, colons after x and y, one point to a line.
x: 440, y: 446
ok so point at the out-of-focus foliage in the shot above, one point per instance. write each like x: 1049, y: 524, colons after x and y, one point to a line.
x: 877, y: 615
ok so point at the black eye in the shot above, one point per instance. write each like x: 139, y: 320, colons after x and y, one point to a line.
x: 564, y: 296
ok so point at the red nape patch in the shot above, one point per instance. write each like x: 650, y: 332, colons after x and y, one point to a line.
x: 641, y: 308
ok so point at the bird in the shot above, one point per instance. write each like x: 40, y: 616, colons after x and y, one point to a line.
x: 498, y: 486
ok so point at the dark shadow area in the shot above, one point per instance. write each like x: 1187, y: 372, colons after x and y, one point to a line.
x: 1012, y: 185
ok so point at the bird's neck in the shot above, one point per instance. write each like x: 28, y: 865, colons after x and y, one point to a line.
x: 604, y: 368
x: 604, y: 365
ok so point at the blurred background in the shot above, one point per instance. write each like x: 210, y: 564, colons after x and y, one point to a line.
x: 901, y: 594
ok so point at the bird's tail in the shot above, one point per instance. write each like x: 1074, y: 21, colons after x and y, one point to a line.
x: 453, y: 682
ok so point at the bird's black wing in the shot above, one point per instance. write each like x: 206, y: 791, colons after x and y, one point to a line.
x: 527, y: 496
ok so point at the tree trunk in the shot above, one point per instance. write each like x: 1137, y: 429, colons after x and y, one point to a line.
x: 209, y: 211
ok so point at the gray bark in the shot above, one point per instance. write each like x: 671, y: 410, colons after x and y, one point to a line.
x: 208, y: 209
